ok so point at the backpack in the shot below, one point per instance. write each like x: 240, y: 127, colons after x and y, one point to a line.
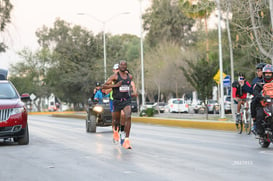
x: 268, y: 89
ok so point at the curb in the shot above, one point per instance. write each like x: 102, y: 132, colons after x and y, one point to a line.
x: 220, y: 124
x: 211, y: 125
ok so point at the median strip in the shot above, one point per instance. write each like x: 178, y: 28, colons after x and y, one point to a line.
x: 184, y: 123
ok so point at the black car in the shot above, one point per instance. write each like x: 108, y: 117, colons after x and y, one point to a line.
x: 134, y: 106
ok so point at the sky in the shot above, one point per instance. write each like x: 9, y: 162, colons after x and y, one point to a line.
x: 120, y: 16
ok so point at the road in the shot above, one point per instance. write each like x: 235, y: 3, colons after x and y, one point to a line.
x: 61, y: 150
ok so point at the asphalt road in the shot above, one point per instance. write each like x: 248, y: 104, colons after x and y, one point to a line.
x: 61, y: 150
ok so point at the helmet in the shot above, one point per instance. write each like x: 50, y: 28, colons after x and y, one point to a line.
x: 116, y: 66
x: 97, y: 84
x: 260, y: 66
x: 268, y: 68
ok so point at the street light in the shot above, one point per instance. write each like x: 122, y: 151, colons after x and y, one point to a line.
x: 222, y: 113
x: 141, y: 55
x: 103, y: 22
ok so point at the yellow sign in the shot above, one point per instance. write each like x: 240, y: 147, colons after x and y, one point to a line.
x: 217, y: 76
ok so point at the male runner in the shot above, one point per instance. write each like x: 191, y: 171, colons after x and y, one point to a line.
x: 121, y: 101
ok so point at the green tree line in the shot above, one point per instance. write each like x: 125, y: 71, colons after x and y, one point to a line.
x: 180, y: 51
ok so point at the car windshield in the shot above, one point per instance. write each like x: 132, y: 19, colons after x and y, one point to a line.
x: 161, y: 104
x: 178, y: 101
x: 212, y: 102
x: 228, y: 99
x: 7, y: 91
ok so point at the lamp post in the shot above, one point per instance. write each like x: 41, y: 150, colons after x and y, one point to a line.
x: 222, y: 113
x: 103, y: 22
x: 141, y: 55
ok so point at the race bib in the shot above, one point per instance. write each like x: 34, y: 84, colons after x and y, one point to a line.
x: 124, y: 88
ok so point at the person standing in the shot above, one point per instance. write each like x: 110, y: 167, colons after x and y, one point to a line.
x: 121, y: 101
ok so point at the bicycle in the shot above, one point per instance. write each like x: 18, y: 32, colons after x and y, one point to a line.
x: 246, y: 121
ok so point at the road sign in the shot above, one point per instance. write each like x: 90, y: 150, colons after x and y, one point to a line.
x: 217, y: 77
x: 226, y: 81
x: 32, y: 96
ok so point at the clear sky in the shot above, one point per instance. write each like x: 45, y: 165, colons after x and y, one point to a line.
x: 29, y: 15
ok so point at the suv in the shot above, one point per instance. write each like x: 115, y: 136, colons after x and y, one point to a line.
x: 178, y: 105
x: 13, y: 114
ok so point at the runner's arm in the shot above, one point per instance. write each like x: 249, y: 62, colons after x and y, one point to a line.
x: 108, y: 84
x: 133, y: 86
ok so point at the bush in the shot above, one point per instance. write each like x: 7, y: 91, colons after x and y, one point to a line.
x: 149, y: 112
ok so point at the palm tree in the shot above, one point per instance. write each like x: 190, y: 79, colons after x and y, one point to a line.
x: 201, y: 10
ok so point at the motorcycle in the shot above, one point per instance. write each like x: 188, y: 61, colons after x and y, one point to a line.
x: 267, y: 123
x: 98, y: 114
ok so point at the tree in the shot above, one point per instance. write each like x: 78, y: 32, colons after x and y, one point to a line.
x: 165, y: 21
x: 161, y: 73
x: 5, y: 10
x: 28, y: 75
x: 200, y: 76
x: 199, y: 10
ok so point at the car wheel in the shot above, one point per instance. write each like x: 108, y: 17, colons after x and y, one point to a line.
x: 93, y: 124
x: 25, y: 139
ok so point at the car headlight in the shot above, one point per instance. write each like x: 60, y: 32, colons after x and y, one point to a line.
x: 17, y: 110
x: 98, y: 109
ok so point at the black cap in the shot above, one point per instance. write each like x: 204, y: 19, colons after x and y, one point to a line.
x: 97, y: 84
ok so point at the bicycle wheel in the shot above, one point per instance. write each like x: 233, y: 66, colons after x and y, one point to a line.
x: 239, y: 127
x: 247, y: 122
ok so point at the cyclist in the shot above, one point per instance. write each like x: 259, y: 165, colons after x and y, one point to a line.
x: 260, y: 115
x: 239, y: 94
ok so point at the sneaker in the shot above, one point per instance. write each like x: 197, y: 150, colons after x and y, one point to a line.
x: 115, y: 137
x: 126, y: 144
x: 122, y: 137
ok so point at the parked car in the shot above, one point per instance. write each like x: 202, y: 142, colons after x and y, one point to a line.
x: 134, y: 106
x: 161, y: 106
x: 148, y: 105
x: 13, y: 114
x: 227, y: 104
x: 178, y: 105
x: 199, y: 108
x: 213, y: 106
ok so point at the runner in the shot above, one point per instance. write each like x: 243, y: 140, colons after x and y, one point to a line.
x: 121, y: 101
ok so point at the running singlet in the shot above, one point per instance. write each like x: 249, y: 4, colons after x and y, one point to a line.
x: 122, y: 92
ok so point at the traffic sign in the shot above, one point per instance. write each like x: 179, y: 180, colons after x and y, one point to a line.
x: 226, y: 81
x: 32, y: 96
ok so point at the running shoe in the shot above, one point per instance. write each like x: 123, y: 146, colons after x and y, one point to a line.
x: 122, y: 137
x: 126, y: 144
x: 115, y: 137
